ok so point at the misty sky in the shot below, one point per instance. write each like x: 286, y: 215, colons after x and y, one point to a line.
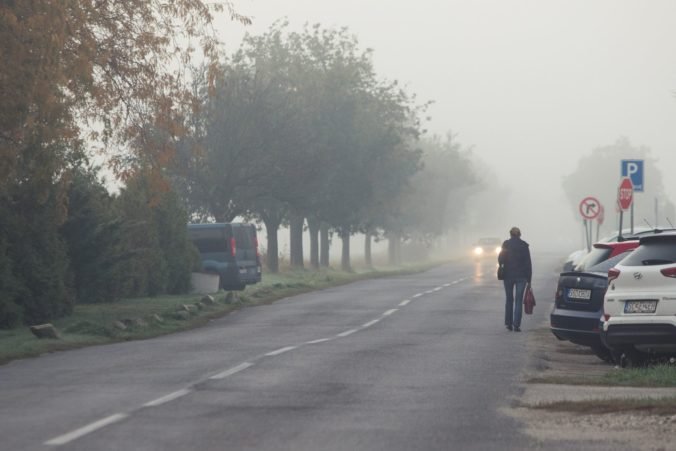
x: 532, y: 85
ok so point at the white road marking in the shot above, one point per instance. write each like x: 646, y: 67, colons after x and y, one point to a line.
x: 429, y: 291
x: 346, y: 333
x: 321, y: 340
x: 404, y: 303
x: 371, y: 323
x: 437, y: 289
x: 167, y: 398
x: 232, y: 371
x: 447, y: 285
x: 416, y: 295
x: 76, y: 434
x: 281, y: 351
x: 391, y: 311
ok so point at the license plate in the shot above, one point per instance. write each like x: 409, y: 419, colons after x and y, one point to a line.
x: 576, y: 293
x: 242, y: 271
x: 640, y: 306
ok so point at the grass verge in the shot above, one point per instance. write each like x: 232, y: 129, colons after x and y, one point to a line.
x: 94, y: 324
x: 659, y: 406
x: 656, y: 376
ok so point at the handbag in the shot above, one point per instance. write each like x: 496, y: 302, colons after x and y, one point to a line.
x: 528, y: 300
x: 501, y: 272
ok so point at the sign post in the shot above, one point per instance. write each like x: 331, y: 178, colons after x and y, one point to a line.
x: 625, y: 199
x: 633, y: 169
x: 590, y: 208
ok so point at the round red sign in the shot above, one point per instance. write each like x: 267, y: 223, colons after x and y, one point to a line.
x: 590, y: 207
x: 625, y: 194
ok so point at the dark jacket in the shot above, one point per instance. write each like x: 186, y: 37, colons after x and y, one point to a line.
x: 515, y: 255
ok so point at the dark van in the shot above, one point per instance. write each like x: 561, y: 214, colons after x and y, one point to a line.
x: 230, y: 250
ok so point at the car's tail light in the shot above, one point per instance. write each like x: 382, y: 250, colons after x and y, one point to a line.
x: 606, y: 316
x: 613, y: 274
x: 233, y: 246
x: 669, y: 272
x: 558, y: 296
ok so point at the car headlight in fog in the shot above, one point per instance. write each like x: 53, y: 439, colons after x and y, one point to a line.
x: 478, y: 251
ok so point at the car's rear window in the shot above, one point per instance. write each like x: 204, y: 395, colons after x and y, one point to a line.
x: 596, y: 256
x: 653, y: 253
x: 604, y: 266
x: 209, y: 240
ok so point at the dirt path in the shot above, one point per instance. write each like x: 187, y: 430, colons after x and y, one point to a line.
x: 556, y: 360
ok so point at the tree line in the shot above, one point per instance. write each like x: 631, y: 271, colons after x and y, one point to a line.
x: 294, y: 128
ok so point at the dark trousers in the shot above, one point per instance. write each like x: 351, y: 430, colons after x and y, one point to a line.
x: 514, y: 301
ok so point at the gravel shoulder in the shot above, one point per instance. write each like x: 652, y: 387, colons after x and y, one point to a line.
x: 551, y: 358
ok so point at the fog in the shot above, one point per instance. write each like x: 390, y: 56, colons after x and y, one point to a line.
x: 530, y: 85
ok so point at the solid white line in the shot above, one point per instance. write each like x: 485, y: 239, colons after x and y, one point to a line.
x: 389, y: 312
x: 371, y: 323
x: 232, y: 371
x: 405, y: 302
x: 321, y: 340
x: 417, y: 295
x: 74, y: 435
x: 167, y: 398
x: 281, y: 351
x: 346, y: 333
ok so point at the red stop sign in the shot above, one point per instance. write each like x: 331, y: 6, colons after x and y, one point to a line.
x: 625, y: 194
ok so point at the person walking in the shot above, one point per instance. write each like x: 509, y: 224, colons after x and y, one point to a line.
x: 514, y: 257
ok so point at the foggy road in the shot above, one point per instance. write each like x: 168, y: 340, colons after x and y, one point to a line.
x: 412, y: 362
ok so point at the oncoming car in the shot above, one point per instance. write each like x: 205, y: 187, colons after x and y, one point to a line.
x: 487, y: 247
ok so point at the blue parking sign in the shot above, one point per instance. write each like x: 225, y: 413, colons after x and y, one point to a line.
x: 634, y: 170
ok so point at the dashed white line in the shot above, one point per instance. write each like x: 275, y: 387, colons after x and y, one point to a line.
x: 77, y: 433
x: 447, y: 285
x: 167, y: 398
x: 404, y: 302
x: 371, y: 323
x: 437, y: 289
x: 346, y: 333
x: 321, y: 340
x: 232, y: 371
x: 391, y: 311
x: 280, y: 351
x: 416, y: 295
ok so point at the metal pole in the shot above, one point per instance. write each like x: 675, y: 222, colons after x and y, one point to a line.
x: 632, y: 217
x: 621, y: 217
x: 657, y: 224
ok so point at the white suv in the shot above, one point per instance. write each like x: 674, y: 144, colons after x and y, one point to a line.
x: 640, y: 304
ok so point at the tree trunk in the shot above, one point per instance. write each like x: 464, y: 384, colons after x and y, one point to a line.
x: 368, y: 260
x: 313, y: 226
x: 345, y: 256
x: 325, y: 245
x: 296, y: 241
x: 271, y: 227
x: 394, y: 249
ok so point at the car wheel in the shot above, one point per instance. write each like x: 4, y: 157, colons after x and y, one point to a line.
x: 631, y: 358
x: 603, y: 353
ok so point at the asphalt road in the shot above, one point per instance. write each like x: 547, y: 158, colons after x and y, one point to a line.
x: 415, y: 362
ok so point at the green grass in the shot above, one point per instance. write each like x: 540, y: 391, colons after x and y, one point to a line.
x: 93, y: 324
x: 657, y: 406
x: 656, y: 376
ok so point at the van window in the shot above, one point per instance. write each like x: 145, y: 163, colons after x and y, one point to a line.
x: 243, y: 237
x: 209, y: 240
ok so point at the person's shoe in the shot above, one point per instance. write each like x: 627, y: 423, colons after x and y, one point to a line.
x: 517, y: 329
x: 509, y: 327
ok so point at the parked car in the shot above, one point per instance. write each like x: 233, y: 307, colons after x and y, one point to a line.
x: 229, y: 250
x: 640, y: 304
x: 578, y: 303
x: 487, y: 247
